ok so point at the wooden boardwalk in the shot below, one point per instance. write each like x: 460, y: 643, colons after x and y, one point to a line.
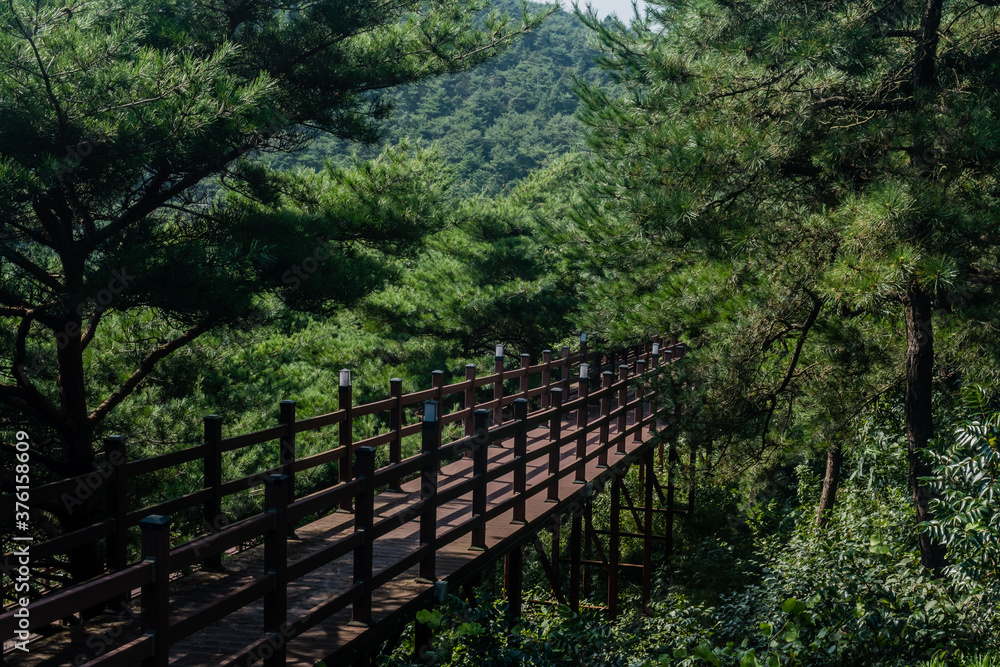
x: 332, y: 640
x: 348, y: 582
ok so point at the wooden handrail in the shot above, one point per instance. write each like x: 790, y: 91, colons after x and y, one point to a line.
x: 352, y: 491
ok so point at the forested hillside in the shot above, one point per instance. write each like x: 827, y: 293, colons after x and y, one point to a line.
x: 494, y: 124
x: 210, y: 207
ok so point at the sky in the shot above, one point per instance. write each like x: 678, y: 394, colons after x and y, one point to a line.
x: 621, y: 7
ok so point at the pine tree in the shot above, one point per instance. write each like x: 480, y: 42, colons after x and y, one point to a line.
x: 133, y: 193
x: 794, y: 158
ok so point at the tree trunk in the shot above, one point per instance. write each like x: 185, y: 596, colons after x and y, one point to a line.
x: 78, y: 448
x: 919, y: 421
x: 828, y: 497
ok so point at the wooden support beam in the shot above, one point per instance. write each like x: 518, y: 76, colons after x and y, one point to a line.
x: 647, y: 543
x: 614, y: 545
x: 513, y: 579
x: 547, y: 568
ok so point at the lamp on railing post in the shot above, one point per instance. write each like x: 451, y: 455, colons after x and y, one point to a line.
x: 656, y: 355
x: 430, y: 442
x: 498, y: 386
x: 345, y: 433
x: 581, y: 421
x: 583, y: 346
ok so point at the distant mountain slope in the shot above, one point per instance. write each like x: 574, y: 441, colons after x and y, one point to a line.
x: 497, y: 123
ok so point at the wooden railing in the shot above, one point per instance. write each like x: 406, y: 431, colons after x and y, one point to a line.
x: 358, y: 482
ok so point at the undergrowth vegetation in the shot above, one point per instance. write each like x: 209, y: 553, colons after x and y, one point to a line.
x: 761, y: 584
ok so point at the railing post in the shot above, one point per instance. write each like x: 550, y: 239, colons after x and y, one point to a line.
x: 481, y: 442
x: 276, y: 566
x: 212, y: 465
x: 564, y: 371
x: 287, y: 451
x: 524, y: 384
x: 555, y: 434
x: 640, y: 406
x: 396, y: 426
x: 430, y: 443
x: 364, y: 518
x: 498, y: 386
x: 520, y: 452
x: 155, y: 616
x: 470, y: 402
x: 114, y: 459
x: 602, y: 443
x: 545, y: 401
x: 583, y: 391
x: 655, y: 356
x: 622, y: 402
x: 345, y: 432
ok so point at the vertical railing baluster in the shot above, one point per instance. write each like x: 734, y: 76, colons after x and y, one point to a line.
x: 498, y: 386
x: 276, y: 566
x: 564, y: 370
x: 622, y: 402
x: 544, y: 400
x: 287, y: 449
x: 582, y: 416
x: 524, y: 383
x: 345, y: 432
x: 430, y: 449
x: 555, y: 434
x: 155, y: 617
x: 481, y: 442
x: 469, y: 403
x: 602, y: 442
x: 364, y: 518
x: 212, y: 466
x: 520, y: 453
x: 640, y: 406
x: 396, y: 426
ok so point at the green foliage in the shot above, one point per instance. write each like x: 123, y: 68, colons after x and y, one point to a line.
x: 499, y: 122
x: 467, y: 635
x: 966, y: 481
